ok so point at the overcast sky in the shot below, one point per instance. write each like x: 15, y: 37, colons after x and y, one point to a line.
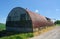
x: 48, y: 8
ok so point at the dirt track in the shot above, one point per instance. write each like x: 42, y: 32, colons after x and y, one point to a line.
x: 52, y: 34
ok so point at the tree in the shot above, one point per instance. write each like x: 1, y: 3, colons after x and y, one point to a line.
x: 57, y: 22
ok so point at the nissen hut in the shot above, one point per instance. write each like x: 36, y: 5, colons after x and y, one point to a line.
x: 24, y: 20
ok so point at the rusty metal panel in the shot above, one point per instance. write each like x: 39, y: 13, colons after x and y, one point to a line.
x: 39, y: 20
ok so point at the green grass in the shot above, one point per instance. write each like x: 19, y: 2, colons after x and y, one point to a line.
x: 19, y: 36
x: 2, y: 26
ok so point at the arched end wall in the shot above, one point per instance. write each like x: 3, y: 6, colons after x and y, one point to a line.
x: 19, y: 20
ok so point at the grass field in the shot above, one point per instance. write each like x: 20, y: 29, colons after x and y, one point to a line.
x: 2, y: 26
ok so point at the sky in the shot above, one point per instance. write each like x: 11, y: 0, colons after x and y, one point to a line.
x: 48, y: 8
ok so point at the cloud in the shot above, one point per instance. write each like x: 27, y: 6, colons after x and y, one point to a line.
x: 36, y: 10
x: 57, y: 9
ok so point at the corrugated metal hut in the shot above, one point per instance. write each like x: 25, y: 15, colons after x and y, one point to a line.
x: 23, y: 20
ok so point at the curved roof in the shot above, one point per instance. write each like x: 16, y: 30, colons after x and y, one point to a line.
x: 37, y: 20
